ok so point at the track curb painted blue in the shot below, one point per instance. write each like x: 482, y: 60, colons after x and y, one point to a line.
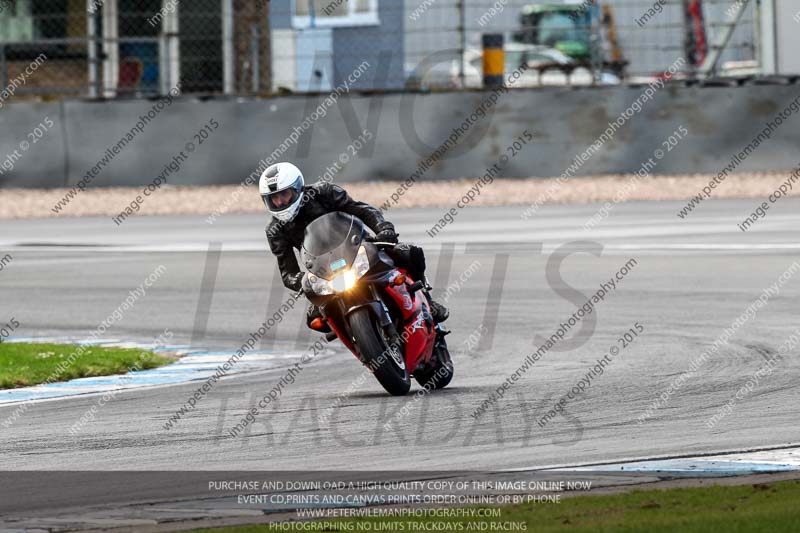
x: 192, y: 365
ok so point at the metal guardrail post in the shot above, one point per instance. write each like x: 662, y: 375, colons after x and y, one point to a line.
x: 94, y: 52
x: 255, y: 57
x: 228, y: 52
x: 462, y: 27
x: 3, y: 66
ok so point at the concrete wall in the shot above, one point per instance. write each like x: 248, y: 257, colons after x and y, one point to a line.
x: 405, y: 129
x: 787, y: 21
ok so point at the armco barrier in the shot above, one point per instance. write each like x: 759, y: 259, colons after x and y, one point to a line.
x: 406, y: 129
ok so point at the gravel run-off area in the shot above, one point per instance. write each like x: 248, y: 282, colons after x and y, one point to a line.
x: 205, y: 200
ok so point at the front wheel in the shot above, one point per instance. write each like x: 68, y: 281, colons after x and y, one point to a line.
x: 381, y: 356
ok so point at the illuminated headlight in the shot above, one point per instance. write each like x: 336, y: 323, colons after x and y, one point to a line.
x: 319, y: 285
x: 346, y: 280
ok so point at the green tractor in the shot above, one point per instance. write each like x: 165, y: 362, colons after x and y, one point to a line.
x: 580, y: 31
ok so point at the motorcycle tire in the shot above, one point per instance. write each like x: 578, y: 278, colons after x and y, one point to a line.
x: 438, y: 375
x: 371, y: 345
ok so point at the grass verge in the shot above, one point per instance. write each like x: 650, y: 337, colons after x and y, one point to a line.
x: 754, y: 508
x: 24, y: 364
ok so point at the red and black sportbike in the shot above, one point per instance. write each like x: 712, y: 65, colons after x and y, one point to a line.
x: 373, y: 305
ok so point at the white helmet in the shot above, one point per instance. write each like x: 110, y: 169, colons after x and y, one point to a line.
x: 281, y: 188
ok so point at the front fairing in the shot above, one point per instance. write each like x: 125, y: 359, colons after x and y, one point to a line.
x: 381, y: 272
x: 331, y: 243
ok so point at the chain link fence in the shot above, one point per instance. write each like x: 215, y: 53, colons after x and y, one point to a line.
x: 134, y: 48
x: 614, y: 40
x: 142, y: 48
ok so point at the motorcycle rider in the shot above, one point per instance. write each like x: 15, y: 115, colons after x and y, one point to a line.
x: 293, y: 205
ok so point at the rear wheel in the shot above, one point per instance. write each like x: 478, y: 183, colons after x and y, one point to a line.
x: 439, y: 374
x: 379, y: 353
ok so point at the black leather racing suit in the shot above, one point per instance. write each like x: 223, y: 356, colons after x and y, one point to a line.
x: 318, y: 200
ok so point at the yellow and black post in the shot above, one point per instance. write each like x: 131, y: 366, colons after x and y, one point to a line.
x: 493, y: 60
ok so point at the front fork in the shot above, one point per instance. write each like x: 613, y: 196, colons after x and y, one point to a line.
x: 345, y: 309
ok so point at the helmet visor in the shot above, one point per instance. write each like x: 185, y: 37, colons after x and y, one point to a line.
x: 285, y: 198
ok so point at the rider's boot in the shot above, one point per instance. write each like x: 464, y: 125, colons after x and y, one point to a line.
x: 439, y: 312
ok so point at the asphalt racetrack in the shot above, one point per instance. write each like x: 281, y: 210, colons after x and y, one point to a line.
x: 690, y: 280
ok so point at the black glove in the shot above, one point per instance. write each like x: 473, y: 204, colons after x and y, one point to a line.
x: 384, y: 235
x: 294, y: 282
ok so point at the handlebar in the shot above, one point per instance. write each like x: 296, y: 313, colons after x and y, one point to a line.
x: 382, y: 244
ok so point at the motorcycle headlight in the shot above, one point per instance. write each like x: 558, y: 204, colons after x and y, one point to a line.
x: 346, y: 280
x: 320, y: 286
